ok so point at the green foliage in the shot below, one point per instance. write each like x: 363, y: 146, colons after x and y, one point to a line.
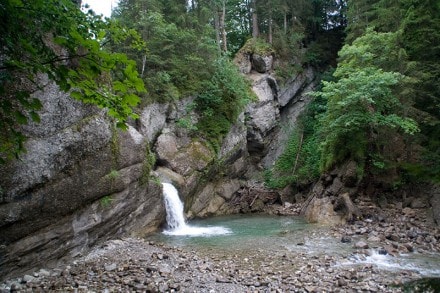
x: 223, y: 98
x: 178, y: 59
x: 147, y: 165
x: 362, y: 103
x: 113, y: 174
x: 55, y: 38
x: 186, y: 123
x: 300, y: 161
x: 106, y: 201
x: 257, y: 46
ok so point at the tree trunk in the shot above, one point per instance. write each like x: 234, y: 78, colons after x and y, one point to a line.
x: 144, y: 62
x: 270, y: 36
x: 223, y: 26
x: 217, y: 29
x: 255, y: 30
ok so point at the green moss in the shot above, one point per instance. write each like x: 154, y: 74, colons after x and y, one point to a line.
x: 106, y: 201
x: 147, y: 165
x: 186, y: 123
x: 113, y: 174
x: 257, y: 46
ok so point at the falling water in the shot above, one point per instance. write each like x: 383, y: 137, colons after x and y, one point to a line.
x: 176, y: 220
x: 173, y: 207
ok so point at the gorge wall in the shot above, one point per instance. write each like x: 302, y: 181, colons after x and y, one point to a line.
x: 82, y: 181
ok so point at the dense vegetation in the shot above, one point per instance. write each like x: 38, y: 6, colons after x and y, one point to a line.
x: 380, y: 108
x: 190, y: 44
x: 378, y: 104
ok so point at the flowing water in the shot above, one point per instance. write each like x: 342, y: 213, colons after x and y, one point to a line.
x: 235, y: 234
x: 176, y: 223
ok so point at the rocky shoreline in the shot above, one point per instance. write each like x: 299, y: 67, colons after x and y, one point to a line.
x: 140, y: 265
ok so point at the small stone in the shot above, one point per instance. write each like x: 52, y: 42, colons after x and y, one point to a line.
x: 393, y: 237
x: 28, y: 278
x: 342, y: 282
x: 110, y: 267
x: 361, y: 245
x: 222, y: 280
x: 373, y: 239
x: 14, y: 287
x: 346, y: 239
x: 44, y: 273
x: 409, y: 247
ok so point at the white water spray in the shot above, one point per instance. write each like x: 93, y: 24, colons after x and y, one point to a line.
x: 424, y: 265
x: 176, y: 220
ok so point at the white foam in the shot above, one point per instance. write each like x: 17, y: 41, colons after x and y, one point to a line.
x: 198, y: 231
x: 423, y: 265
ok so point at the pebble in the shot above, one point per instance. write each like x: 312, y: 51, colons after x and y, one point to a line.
x: 130, y: 264
x: 361, y: 245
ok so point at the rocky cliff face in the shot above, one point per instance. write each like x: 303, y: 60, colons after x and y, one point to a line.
x: 79, y: 183
x: 83, y: 181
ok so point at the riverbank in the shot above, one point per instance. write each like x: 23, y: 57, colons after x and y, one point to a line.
x: 141, y: 265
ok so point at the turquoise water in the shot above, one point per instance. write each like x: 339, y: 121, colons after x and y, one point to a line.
x: 245, y: 232
x: 284, y: 235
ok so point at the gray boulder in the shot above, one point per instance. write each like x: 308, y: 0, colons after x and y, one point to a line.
x: 262, y: 64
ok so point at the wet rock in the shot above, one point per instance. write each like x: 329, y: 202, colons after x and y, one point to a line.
x: 346, y: 239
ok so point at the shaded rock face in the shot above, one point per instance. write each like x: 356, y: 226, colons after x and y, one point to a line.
x: 78, y: 184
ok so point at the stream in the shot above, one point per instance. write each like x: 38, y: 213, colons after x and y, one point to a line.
x: 239, y: 234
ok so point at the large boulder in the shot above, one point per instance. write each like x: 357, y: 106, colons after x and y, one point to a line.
x: 321, y: 210
x: 213, y: 197
x: 243, y: 62
x: 262, y: 63
x: 153, y: 120
x: 329, y: 201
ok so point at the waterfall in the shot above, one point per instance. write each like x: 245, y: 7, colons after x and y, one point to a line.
x: 176, y: 220
x: 173, y: 207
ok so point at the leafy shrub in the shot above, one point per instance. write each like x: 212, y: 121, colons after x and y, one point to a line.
x: 221, y: 102
x: 300, y: 161
x: 257, y: 46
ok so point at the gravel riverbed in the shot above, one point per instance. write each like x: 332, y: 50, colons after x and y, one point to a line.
x: 140, y: 265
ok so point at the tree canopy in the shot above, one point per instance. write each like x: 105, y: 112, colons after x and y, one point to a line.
x: 382, y: 85
x: 380, y: 107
